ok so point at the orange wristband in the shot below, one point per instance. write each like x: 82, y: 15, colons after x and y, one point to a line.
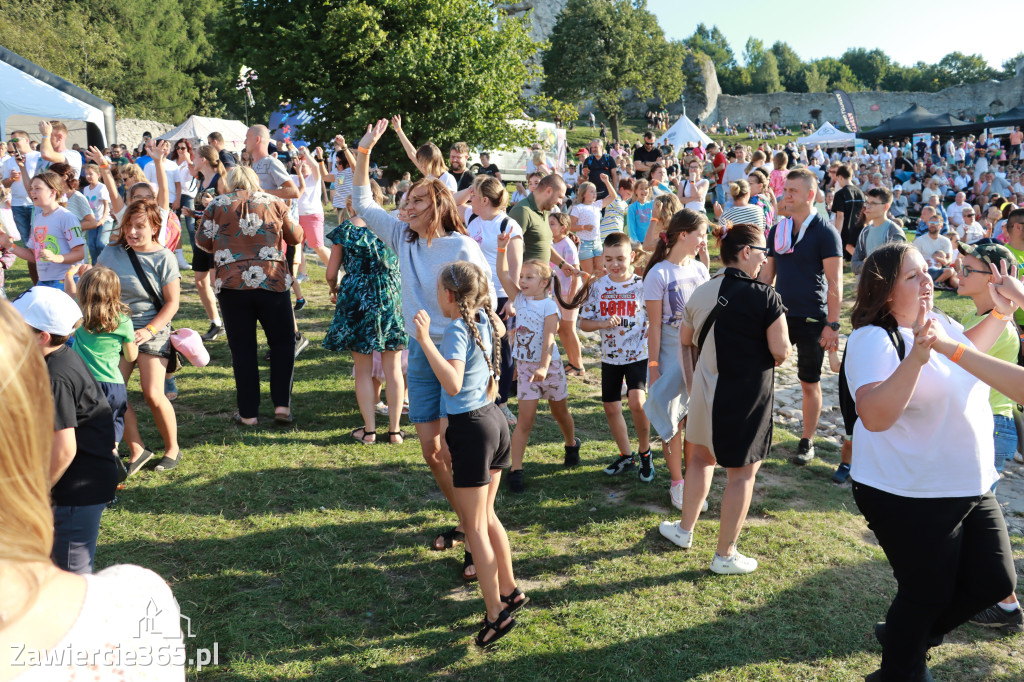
x: 652, y: 363
x: 151, y: 329
x: 959, y: 352
x: 501, y: 250
x: 104, y: 165
x: 999, y: 316
x: 363, y: 150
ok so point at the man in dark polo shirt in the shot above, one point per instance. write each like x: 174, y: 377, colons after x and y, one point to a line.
x: 597, y: 163
x: 532, y: 215
x: 805, y: 264
x: 646, y: 156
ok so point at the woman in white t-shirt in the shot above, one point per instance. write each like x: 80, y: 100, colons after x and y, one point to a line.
x: 182, y: 155
x: 311, y: 211
x: 923, y: 463
x: 693, y: 189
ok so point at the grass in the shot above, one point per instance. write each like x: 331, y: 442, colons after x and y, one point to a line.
x: 632, y: 129
x: 305, y: 556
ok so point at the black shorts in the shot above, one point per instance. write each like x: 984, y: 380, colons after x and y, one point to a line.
x: 479, y: 442
x: 201, y: 260
x: 635, y: 374
x: 805, y: 334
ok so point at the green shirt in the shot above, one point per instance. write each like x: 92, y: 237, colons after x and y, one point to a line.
x: 102, y: 351
x: 1019, y: 255
x: 536, y: 230
x: 1005, y: 348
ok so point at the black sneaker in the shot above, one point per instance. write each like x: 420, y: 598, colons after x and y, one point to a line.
x: 804, y: 452
x: 621, y: 463
x: 515, y: 481
x: 646, y: 467
x: 301, y: 344
x: 300, y: 303
x: 572, y: 454
x: 842, y: 474
x: 215, y: 331
x: 996, y: 616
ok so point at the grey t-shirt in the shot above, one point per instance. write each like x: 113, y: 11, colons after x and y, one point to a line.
x: 271, y: 172
x: 160, y: 266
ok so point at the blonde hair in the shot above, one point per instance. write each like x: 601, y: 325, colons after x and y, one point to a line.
x: 132, y: 171
x: 640, y: 184
x: 99, y: 296
x: 739, y: 188
x: 430, y: 160
x: 242, y: 178
x: 665, y: 206
x: 26, y: 519
x: 491, y: 189
x: 469, y: 284
x: 584, y: 188
x: 543, y: 269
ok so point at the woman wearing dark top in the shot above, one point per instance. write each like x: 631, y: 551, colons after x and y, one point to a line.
x: 211, y: 174
x: 730, y: 411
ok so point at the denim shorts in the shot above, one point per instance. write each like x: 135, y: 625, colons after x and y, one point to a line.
x: 1005, y: 435
x: 590, y: 249
x: 425, y: 403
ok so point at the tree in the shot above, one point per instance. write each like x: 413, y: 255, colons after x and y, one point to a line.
x: 1010, y: 67
x: 956, y: 68
x: 762, y: 67
x: 814, y: 81
x: 600, y: 49
x: 791, y: 68
x: 454, y: 70
x: 712, y: 42
x: 869, y: 67
x: 837, y: 74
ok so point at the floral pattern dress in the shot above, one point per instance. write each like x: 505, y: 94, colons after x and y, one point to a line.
x: 368, y: 316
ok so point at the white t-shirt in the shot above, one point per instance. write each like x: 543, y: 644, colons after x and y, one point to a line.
x: 702, y: 186
x: 449, y: 181
x: 927, y: 246
x: 19, y: 195
x: 71, y: 157
x: 171, y: 171
x: 941, y: 446
x: 626, y: 343
x: 735, y: 171
x: 309, y: 199
x: 189, y: 183
x: 955, y: 213
x: 970, y: 234
x: 96, y: 197
x: 528, y: 342
x: 673, y: 285
x: 485, y: 233
x: 589, y: 218
x: 58, y: 232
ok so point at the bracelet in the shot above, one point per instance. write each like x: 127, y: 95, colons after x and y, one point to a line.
x: 652, y: 363
x: 104, y: 165
x: 151, y: 329
x: 999, y: 316
x: 363, y: 150
x: 501, y: 250
x: 959, y: 352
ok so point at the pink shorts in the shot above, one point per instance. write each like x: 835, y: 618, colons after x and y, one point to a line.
x: 554, y: 386
x: 312, y: 225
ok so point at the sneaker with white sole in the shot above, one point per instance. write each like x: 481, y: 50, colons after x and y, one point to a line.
x: 676, y: 535
x: 737, y: 564
x: 1018, y: 458
x: 676, y: 495
x: 621, y: 463
x: 646, y: 472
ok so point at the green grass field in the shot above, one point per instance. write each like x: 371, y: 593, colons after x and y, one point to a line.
x: 305, y: 556
x: 632, y: 129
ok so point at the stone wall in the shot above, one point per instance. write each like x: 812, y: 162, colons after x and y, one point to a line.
x: 129, y: 130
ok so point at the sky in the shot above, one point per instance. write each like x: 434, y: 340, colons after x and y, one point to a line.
x: 811, y: 29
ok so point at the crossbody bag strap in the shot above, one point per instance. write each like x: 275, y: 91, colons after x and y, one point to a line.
x: 727, y: 283
x: 144, y: 279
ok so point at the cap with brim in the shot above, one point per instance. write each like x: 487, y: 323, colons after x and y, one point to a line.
x: 48, y: 310
x: 989, y: 254
x: 582, y: 152
x: 897, y: 188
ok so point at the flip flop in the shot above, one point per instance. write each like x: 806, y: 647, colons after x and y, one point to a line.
x: 284, y: 418
x: 449, y: 538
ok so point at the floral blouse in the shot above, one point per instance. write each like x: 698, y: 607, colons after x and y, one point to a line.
x: 244, y: 232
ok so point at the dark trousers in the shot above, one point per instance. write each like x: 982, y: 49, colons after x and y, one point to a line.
x: 951, y: 558
x: 75, y: 531
x: 508, y: 365
x: 273, y: 310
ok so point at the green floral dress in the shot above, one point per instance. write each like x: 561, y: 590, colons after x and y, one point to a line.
x: 368, y: 316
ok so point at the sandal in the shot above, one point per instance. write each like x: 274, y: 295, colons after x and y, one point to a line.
x: 514, y: 605
x: 572, y: 370
x: 499, y: 632
x: 467, y: 561
x: 363, y: 434
x: 392, y: 434
x: 449, y: 539
x: 284, y: 418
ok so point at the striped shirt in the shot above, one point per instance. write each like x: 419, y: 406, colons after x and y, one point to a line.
x: 614, y: 218
x: 747, y: 213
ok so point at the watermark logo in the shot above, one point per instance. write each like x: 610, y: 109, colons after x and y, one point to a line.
x: 152, y: 626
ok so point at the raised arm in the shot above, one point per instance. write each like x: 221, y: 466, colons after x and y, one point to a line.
x: 396, y: 122
x: 96, y: 156
x: 46, y: 149
x: 508, y: 283
x: 158, y: 152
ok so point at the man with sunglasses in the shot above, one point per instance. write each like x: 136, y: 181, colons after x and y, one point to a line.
x: 646, y: 156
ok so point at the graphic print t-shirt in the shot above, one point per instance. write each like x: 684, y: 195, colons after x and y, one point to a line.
x: 530, y: 317
x: 627, y: 342
x: 673, y: 284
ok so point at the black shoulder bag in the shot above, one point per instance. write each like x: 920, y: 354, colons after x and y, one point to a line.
x: 727, y: 284
x: 175, y: 361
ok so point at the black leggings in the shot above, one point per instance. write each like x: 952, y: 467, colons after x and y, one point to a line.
x: 508, y: 365
x: 951, y: 558
x: 273, y: 310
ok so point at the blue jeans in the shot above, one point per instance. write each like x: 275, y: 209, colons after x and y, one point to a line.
x: 23, y: 220
x: 53, y: 283
x: 189, y: 222
x: 1005, y: 435
x: 97, y: 239
x: 425, y: 404
x: 75, y: 530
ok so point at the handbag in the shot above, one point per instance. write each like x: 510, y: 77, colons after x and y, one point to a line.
x: 176, y: 360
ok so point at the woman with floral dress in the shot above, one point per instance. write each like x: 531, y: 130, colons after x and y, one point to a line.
x: 246, y: 230
x: 368, y: 317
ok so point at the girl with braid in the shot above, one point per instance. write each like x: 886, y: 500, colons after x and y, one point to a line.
x: 467, y: 366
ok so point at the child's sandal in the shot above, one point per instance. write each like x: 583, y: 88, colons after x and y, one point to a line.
x: 494, y: 626
x: 574, y: 371
x: 510, y: 600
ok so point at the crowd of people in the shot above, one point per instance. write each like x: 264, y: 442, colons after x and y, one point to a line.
x: 455, y: 299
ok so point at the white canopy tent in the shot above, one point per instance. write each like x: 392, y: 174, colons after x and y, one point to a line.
x: 199, y: 127
x: 683, y: 131
x: 828, y: 136
x: 31, y: 93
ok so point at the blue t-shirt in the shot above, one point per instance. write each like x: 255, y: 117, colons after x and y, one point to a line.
x: 799, y: 274
x: 458, y: 344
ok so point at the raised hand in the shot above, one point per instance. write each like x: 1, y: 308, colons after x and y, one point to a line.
x: 95, y: 154
x: 45, y: 128
x: 1005, y: 287
x: 374, y: 133
x: 924, y: 335
x: 718, y: 210
x: 396, y: 123
x: 503, y: 239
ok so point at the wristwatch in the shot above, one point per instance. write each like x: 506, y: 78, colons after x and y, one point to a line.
x: 834, y: 326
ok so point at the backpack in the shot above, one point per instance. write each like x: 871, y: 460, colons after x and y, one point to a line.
x: 847, y: 405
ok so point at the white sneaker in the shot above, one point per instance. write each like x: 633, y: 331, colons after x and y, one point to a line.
x: 737, y: 564
x: 675, y: 534
x: 1018, y: 458
x: 182, y: 263
x: 676, y: 495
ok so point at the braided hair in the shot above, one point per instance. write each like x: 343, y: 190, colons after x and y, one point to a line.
x: 470, y: 286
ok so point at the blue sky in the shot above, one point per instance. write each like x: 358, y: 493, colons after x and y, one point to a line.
x: 906, y: 31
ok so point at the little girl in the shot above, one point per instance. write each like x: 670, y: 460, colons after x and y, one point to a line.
x: 671, y: 276
x: 539, y: 368
x: 477, y: 433
x: 106, y: 331
x: 564, y: 244
x: 99, y: 202
x: 585, y: 221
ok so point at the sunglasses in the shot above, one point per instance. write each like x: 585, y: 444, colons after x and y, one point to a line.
x: 763, y: 249
x: 966, y: 271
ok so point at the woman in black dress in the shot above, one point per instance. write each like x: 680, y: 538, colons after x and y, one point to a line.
x: 730, y: 411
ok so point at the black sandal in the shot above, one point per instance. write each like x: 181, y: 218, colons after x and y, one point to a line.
x: 514, y: 605
x: 364, y: 435
x: 572, y: 370
x: 467, y: 561
x: 499, y: 632
x: 395, y: 433
x: 572, y: 454
x: 450, y: 538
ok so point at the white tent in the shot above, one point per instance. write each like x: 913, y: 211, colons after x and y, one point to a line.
x: 683, y: 131
x: 827, y: 136
x: 33, y: 92
x: 199, y: 127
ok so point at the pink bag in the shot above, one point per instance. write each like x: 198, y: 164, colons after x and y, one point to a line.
x: 190, y: 344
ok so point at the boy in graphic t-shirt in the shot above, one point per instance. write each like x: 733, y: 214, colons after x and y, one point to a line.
x: 615, y: 307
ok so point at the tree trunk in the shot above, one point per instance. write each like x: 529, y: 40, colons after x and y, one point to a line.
x: 614, y: 120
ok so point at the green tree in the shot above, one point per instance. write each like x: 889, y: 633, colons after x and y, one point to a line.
x: 956, y: 68
x: 600, y: 49
x: 762, y: 67
x: 712, y: 42
x: 791, y: 69
x: 454, y: 70
x: 837, y: 74
x: 1010, y: 67
x: 869, y: 67
x: 814, y: 81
